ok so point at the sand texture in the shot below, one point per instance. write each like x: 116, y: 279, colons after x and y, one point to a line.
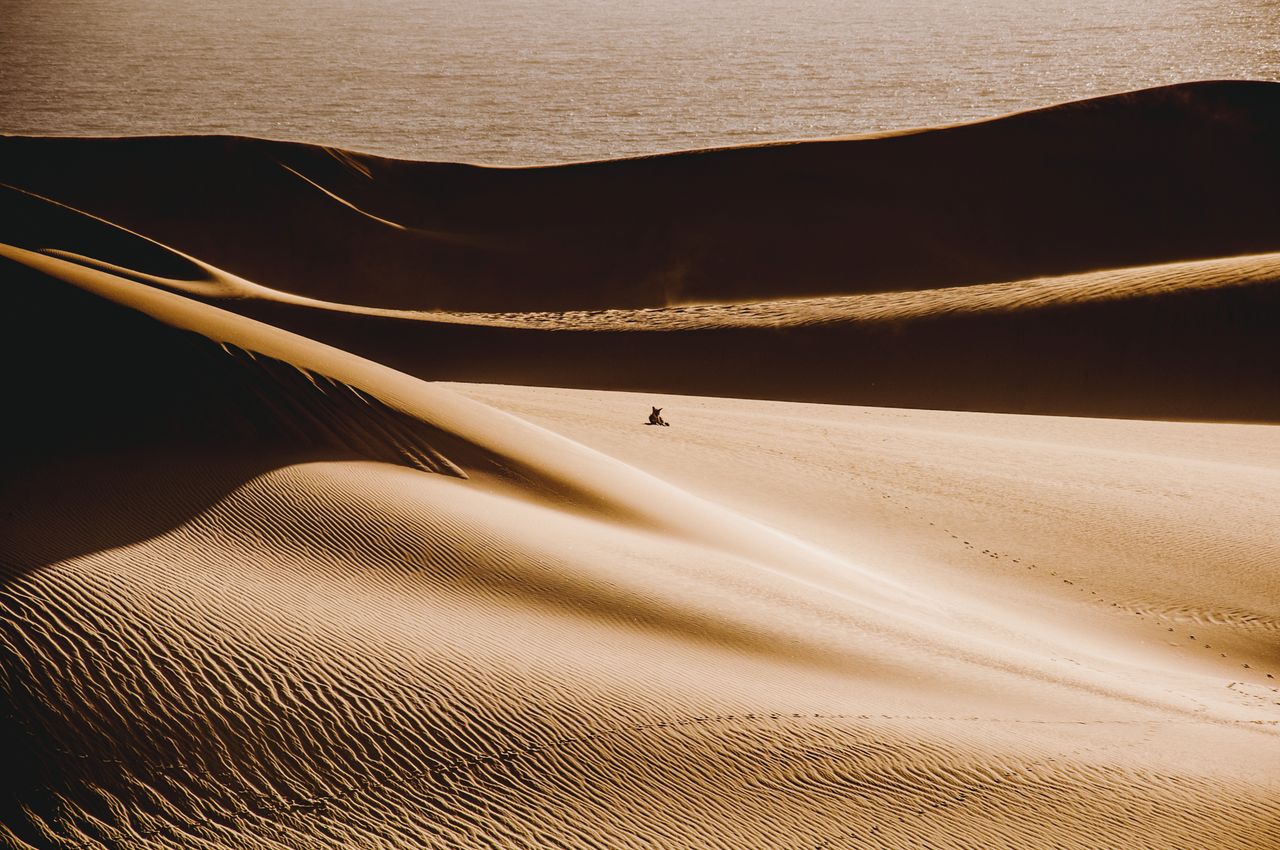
x: 330, y: 517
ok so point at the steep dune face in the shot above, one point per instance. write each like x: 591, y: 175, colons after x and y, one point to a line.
x: 109, y: 381
x: 1182, y: 172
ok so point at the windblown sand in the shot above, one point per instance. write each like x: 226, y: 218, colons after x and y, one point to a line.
x: 259, y: 590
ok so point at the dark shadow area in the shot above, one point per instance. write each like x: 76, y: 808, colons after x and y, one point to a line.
x: 121, y: 427
x: 1179, y: 172
x: 32, y: 780
x: 37, y: 224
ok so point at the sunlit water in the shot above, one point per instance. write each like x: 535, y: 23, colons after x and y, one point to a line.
x: 513, y: 81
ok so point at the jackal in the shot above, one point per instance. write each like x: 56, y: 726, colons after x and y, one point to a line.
x: 655, y: 418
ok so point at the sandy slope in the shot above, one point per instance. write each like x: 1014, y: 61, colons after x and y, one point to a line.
x: 259, y: 590
x: 1118, y: 516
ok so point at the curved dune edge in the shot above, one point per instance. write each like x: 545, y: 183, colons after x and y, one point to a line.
x: 209, y: 282
x: 559, y: 649
x: 1004, y: 297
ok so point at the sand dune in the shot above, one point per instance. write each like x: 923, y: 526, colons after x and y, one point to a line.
x: 1190, y: 339
x: 1182, y: 172
x: 562, y: 648
x: 264, y: 586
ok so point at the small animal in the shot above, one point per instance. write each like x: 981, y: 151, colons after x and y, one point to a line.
x: 655, y: 418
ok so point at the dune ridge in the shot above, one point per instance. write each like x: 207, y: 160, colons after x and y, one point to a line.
x: 1189, y: 339
x: 1179, y: 172
x: 264, y: 584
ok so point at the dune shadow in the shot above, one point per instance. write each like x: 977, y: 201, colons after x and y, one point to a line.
x: 121, y: 427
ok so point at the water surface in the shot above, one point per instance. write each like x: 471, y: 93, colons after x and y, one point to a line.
x: 516, y: 81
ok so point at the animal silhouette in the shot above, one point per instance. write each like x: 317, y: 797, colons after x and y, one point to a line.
x: 655, y: 418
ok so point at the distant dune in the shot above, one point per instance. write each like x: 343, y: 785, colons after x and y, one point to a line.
x: 1184, y: 172
x: 265, y: 586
